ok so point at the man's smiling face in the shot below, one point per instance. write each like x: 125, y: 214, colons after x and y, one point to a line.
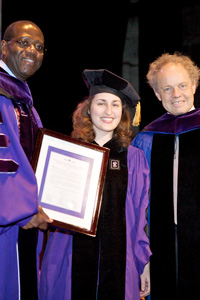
x: 175, y: 89
x: 23, y: 54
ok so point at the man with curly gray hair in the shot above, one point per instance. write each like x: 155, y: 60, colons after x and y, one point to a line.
x: 171, y: 144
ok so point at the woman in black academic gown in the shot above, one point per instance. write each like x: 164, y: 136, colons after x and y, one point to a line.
x: 98, y: 264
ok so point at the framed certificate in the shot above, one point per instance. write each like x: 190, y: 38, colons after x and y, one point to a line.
x: 70, y: 175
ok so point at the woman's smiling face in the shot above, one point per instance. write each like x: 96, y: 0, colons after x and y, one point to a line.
x: 106, y: 113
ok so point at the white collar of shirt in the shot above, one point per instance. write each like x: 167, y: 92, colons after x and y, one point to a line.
x: 192, y: 108
x: 5, y: 67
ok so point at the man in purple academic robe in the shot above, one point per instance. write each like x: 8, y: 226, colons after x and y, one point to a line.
x: 172, y: 145
x: 21, y: 56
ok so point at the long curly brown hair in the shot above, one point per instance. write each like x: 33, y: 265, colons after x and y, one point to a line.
x: 83, y: 126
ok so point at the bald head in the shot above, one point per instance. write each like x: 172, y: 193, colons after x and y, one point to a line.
x: 10, y: 31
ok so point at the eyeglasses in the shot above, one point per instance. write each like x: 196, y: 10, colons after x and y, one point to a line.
x: 26, y: 43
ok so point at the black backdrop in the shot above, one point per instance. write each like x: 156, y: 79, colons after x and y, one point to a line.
x: 91, y: 34
x: 77, y: 36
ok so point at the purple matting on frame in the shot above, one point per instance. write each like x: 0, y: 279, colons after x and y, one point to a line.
x: 85, y: 194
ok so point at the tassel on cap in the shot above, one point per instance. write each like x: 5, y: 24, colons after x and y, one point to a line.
x: 137, y: 116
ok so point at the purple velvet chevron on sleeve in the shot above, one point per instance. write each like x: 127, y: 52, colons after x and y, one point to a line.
x: 8, y: 166
x: 1, y: 118
x: 4, y: 140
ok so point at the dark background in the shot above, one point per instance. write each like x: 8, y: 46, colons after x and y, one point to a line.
x: 91, y: 34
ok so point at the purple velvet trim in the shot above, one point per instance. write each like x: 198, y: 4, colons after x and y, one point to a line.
x: 8, y: 166
x: 17, y: 88
x: 1, y: 118
x: 168, y: 123
x: 4, y: 141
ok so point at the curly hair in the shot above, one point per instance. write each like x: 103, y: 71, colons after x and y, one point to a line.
x: 83, y: 126
x: 176, y: 58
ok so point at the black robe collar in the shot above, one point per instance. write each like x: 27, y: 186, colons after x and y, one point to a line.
x: 114, y: 145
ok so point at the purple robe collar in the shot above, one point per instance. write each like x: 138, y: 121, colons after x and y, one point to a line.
x: 18, y: 89
x: 171, y: 124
